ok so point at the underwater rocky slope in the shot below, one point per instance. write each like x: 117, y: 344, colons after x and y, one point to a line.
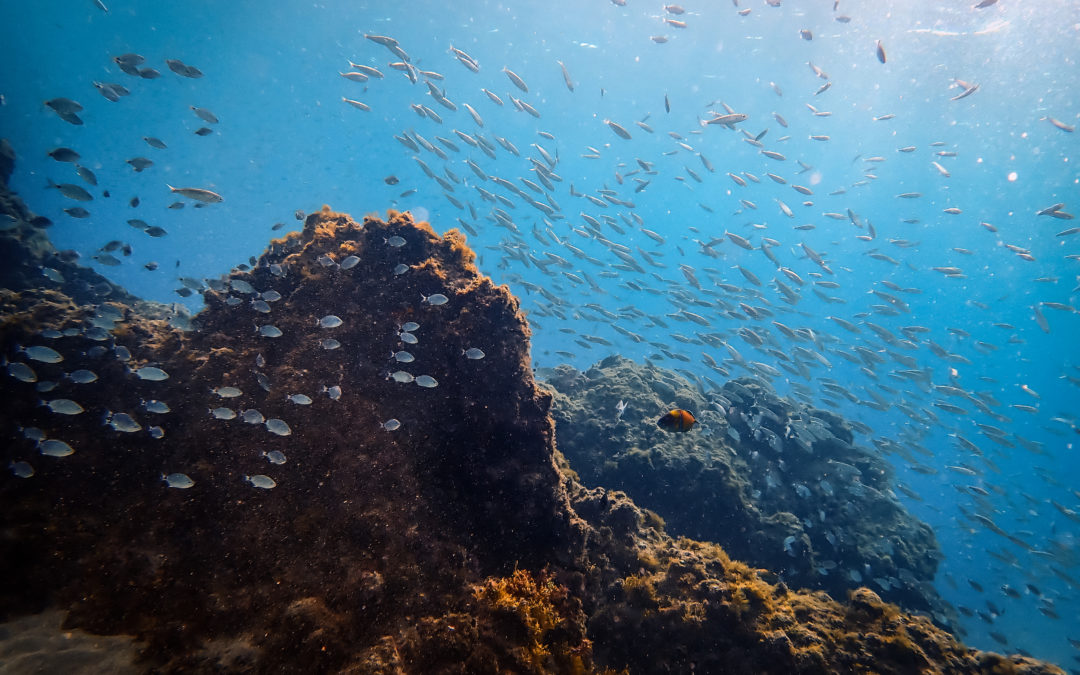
x: 452, y: 541
x: 778, y: 484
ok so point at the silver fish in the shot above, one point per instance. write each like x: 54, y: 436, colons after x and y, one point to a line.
x: 261, y: 481
x: 198, y: 194
x: 181, y: 481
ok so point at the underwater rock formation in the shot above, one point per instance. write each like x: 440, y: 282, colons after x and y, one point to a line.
x: 250, y: 503
x: 666, y: 605
x: 367, y: 526
x: 777, y: 484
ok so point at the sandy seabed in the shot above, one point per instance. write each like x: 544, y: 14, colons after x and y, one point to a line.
x: 38, y: 644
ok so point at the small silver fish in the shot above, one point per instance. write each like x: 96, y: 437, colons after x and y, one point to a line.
x: 728, y: 119
x: 227, y: 392
x: 241, y: 286
x: 53, y: 274
x: 111, y: 91
x: 516, y: 79
x: 252, y: 416
x: 434, y: 299
x: 155, y: 406
x: 198, y: 194
x: 359, y: 105
x: 402, y: 377
x: 427, y: 381
x: 42, y: 354
x: 181, y: 481
x: 300, y: 399
x: 275, y: 457
x: 205, y: 115
x: 140, y: 163
x: 32, y: 434
x: 278, y: 427
x: 63, y: 155
x: 367, y: 70
x: 223, y: 413
x: 391, y: 425
x: 55, y: 448
x: 151, y: 374
x: 122, y: 422
x: 329, y: 321
x: 22, y: 372
x: 64, y: 105
x: 402, y: 357
x: 21, y: 469
x: 570, y: 82
x: 261, y: 481
x: 64, y: 406
x: 473, y: 353
x: 618, y: 129
x: 408, y: 338
x: 86, y: 174
x: 269, y: 331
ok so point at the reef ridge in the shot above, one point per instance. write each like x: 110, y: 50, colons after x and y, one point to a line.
x: 460, y: 541
x: 777, y: 483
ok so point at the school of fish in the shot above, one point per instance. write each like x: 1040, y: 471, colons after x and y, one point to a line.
x: 751, y: 288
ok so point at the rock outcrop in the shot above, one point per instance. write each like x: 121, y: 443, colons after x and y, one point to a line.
x: 777, y: 484
x: 402, y: 527
x: 370, y: 526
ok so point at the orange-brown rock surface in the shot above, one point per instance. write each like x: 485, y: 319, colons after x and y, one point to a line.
x: 453, y: 544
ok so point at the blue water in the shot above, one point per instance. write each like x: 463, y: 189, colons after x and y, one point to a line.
x: 286, y: 141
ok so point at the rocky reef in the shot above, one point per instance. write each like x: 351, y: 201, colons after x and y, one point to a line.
x: 778, y: 484
x: 368, y: 527
x: 262, y: 494
x: 660, y: 604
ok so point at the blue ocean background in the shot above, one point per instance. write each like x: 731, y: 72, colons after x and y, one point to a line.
x: 286, y: 141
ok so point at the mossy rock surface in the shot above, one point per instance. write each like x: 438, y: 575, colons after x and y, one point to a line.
x: 777, y: 483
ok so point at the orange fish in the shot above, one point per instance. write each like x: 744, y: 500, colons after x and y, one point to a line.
x: 677, y: 420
